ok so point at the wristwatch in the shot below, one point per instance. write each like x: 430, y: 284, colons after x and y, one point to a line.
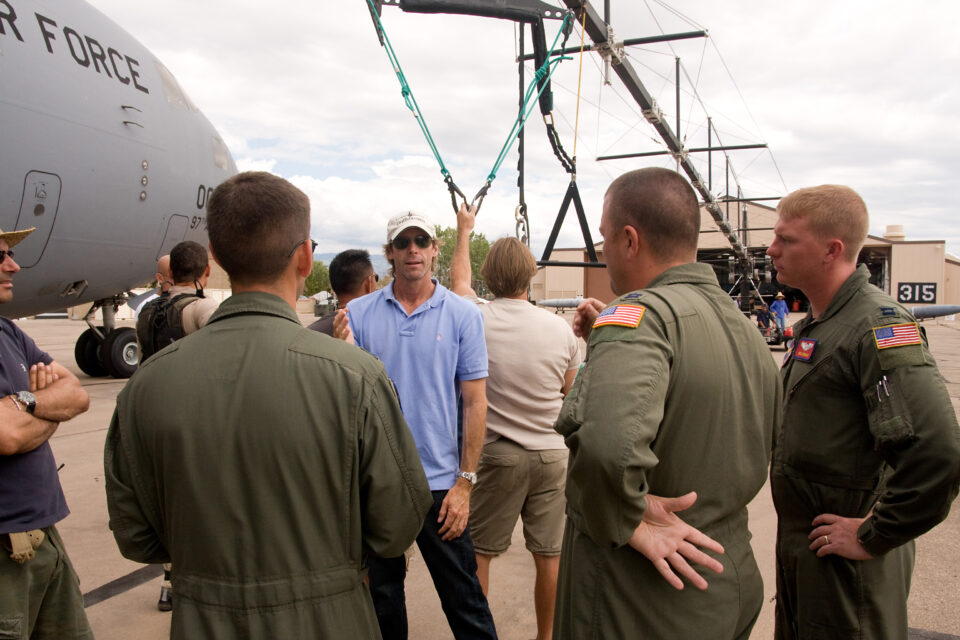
x: 28, y: 400
x: 469, y: 476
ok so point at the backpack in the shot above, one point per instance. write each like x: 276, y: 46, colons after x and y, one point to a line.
x: 161, y: 323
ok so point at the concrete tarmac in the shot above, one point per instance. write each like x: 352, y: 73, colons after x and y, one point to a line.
x: 122, y: 595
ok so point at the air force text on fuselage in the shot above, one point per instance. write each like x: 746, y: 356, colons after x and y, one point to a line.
x: 62, y: 39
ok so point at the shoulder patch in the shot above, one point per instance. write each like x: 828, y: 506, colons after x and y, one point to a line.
x: 636, y: 295
x: 888, y: 311
x: 621, y: 315
x: 897, y: 335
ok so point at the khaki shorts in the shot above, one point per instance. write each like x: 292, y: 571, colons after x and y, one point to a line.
x: 513, y: 481
x: 40, y: 599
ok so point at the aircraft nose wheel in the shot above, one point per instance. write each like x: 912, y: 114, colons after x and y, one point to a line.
x: 120, y: 353
x: 87, y: 354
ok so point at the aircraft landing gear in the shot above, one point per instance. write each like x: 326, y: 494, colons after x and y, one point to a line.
x: 87, y: 352
x: 107, y: 350
x: 120, y: 353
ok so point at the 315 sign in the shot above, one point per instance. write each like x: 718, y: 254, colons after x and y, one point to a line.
x: 917, y: 292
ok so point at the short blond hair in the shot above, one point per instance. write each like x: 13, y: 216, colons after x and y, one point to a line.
x: 508, y: 268
x: 833, y: 211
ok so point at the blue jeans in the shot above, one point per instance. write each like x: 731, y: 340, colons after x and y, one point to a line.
x: 782, y: 323
x: 453, y: 567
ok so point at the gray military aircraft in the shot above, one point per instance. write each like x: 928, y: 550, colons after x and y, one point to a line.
x: 102, y: 152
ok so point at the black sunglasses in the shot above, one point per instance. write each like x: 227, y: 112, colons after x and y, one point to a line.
x: 313, y: 247
x: 4, y: 254
x: 402, y: 242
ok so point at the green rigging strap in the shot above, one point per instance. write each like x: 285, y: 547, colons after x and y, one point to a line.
x: 545, y: 71
x: 408, y: 97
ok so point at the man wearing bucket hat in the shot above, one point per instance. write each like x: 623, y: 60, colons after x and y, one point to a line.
x: 431, y: 341
x: 39, y: 590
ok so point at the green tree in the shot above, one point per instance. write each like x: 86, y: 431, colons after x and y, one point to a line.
x: 318, y: 280
x: 479, y: 247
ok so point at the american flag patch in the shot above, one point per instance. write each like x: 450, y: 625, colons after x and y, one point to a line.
x: 622, y: 315
x: 897, y: 335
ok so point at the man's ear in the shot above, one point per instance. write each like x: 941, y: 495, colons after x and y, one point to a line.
x: 835, y: 249
x: 206, y: 272
x: 633, y: 240
x: 304, y: 258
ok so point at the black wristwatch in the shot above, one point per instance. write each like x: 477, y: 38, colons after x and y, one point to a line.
x: 28, y: 400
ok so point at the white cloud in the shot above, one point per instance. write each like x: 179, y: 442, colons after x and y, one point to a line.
x: 843, y: 92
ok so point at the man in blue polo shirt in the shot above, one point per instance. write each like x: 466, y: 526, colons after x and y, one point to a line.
x: 431, y: 342
x: 39, y: 591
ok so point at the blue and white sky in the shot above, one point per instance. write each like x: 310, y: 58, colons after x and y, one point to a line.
x: 857, y: 93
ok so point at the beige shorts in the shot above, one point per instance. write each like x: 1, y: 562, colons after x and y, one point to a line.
x: 513, y: 481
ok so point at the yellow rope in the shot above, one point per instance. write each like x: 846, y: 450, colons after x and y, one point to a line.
x: 576, y: 122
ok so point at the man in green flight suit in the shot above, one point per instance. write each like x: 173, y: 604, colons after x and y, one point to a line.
x: 869, y: 453
x: 275, y: 457
x: 678, y: 397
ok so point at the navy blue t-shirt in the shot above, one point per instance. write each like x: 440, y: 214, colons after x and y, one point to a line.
x: 30, y: 493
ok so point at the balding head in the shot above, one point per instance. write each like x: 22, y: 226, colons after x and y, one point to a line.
x: 164, y: 276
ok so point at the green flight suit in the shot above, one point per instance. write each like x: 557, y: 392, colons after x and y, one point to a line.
x: 864, y: 428
x: 264, y: 460
x: 685, y: 401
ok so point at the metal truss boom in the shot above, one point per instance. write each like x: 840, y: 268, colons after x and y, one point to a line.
x: 598, y: 30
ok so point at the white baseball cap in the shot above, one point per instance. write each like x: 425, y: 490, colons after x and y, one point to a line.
x: 406, y: 220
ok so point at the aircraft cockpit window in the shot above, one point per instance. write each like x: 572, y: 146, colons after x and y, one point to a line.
x: 221, y: 155
x: 176, y: 96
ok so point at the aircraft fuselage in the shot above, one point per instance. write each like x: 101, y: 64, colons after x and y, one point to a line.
x: 101, y: 150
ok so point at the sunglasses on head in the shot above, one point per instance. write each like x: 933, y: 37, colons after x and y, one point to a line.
x: 4, y: 254
x: 402, y: 242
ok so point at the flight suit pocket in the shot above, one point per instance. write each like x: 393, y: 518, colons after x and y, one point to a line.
x: 11, y: 628
x: 887, y: 414
x: 829, y: 597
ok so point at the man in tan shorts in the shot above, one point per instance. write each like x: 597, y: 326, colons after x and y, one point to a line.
x: 533, y: 359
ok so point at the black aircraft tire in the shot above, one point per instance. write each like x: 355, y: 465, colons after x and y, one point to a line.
x: 120, y: 354
x: 87, y: 354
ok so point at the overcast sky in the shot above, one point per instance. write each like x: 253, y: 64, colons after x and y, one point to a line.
x: 858, y: 93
